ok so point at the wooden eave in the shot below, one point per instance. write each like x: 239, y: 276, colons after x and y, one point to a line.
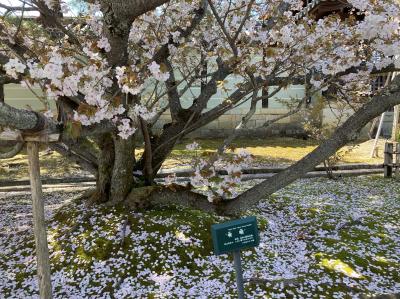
x: 322, y: 8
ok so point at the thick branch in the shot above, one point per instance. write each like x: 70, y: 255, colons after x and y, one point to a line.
x: 131, y: 9
x: 31, y: 121
x: 172, y: 92
x: 20, y: 119
x: 210, y: 88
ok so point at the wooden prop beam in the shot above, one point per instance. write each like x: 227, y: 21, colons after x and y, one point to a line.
x: 39, y: 223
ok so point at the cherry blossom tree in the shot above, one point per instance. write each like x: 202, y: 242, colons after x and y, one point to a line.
x: 115, y: 67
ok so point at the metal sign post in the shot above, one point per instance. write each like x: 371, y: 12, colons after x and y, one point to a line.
x: 239, y: 273
x: 232, y: 236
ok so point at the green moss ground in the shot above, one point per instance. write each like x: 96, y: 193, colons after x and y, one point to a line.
x: 319, y: 239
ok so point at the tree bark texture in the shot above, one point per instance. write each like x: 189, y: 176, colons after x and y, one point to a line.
x: 131, y: 9
x: 20, y: 119
x: 118, y: 18
x: 105, y: 170
x: 122, y: 173
x: 115, y: 168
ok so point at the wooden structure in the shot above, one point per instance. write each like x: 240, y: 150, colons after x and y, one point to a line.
x: 39, y: 225
x: 377, y: 85
x: 319, y: 9
x: 391, y: 159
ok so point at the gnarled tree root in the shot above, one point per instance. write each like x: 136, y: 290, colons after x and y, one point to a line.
x: 147, y: 197
x: 156, y: 196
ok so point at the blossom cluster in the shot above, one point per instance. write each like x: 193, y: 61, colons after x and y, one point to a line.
x: 206, y: 174
x: 14, y: 67
x: 269, y: 42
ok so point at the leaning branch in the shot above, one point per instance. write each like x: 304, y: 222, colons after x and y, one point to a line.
x: 378, y: 104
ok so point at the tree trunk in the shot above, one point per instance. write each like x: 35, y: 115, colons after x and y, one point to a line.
x: 115, y: 169
x: 106, y: 163
x: 116, y: 160
x: 122, y: 174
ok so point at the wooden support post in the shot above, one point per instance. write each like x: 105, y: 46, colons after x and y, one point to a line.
x: 388, y: 160
x: 39, y: 224
x: 397, y: 170
x: 395, y: 126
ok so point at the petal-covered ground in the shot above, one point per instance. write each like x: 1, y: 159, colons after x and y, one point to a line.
x: 319, y: 238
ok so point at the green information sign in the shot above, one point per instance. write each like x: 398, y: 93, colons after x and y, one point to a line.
x: 235, y: 235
